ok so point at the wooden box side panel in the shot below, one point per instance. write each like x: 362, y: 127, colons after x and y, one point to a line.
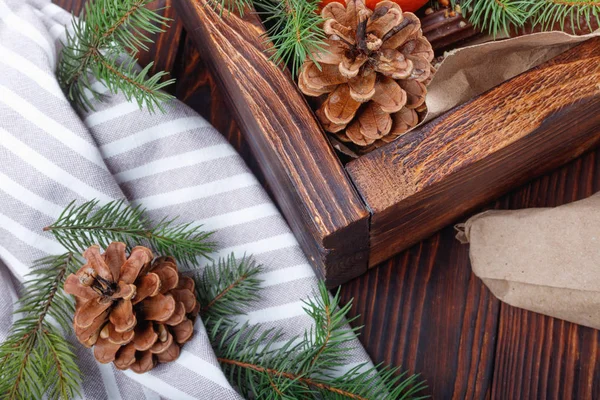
x: 307, y: 179
x: 535, y: 122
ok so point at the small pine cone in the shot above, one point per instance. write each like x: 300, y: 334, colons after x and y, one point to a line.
x: 132, y: 311
x: 373, y: 72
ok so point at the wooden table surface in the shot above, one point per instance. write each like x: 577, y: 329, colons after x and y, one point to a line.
x: 424, y: 309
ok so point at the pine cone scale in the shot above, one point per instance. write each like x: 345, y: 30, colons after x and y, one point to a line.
x: 115, y: 257
x: 105, y: 351
x: 125, y: 357
x: 139, y: 258
x: 159, y: 307
x: 122, y: 316
x: 147, y: 286
x: 97, y: 263
x: 87, y: 313
x: 110, y: 333
x: 145, y: 337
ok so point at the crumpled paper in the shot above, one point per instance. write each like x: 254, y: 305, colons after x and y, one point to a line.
x: 545, y: 260
x: 470, y: 71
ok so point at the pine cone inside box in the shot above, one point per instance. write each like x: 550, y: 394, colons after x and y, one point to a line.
x: 134, y: 311
x: 372, y: 73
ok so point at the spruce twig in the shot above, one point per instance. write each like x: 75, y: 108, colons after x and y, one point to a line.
x: 104, y: 44
x: 261, y: 366
x: 294, y: 27
x: 36, y: 358
x: 254, y: 359
x: 295, y: 30
x: 79, y: 227
x: 501, y: 16
x: 226, y: 286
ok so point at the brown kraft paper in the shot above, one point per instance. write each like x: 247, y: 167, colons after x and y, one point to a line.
x: 470, y: 71
x: 545, y: 260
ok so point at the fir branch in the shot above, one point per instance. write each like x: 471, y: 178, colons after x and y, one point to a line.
x: 106, y: 31
x: 294, y: 27
x: 503, y: 16
x: 260, y: 365
x: 35, y: 359
x: 550, y: 13
x: 79, y: 227
x: 225, y: 287
x: 497, y: 16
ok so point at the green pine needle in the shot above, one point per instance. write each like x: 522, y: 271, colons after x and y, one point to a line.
x: 36, y: 358
x: 79, y: 227
x: 502, y: 16
x: 295, y: 30
x: 226, y: 286
x: 105, y: 32
x: 295, y: 27
x: 259, y: 365
x: 550, y: 13
x: 228, y: 6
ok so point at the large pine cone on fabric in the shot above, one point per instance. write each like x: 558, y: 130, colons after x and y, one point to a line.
x: 134, y: 311
x: 373, y: 70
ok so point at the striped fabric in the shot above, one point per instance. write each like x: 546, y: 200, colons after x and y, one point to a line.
x: 173, y: 164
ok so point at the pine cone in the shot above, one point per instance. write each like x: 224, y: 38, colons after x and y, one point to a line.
x: 133, y: 311
x: 374, y: 72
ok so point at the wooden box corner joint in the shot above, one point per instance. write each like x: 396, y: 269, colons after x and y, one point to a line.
x: 350, y: 218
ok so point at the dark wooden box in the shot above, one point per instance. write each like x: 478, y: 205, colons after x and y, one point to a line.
x: 351, y: 217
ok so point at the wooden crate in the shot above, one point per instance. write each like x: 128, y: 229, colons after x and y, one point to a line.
x: 351, y: 217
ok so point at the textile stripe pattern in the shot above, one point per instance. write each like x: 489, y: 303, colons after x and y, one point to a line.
x: 175, y: 164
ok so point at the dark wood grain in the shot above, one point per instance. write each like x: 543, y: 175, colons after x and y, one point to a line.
x: 164, y: 50
x: 307, y: 179
x: 73, y: 6
x: 424, y: 310
x: 539, y: 357
x: 197, y: 87
x: 542, y: 357
x: 476, y: 152
x: 531, y: 356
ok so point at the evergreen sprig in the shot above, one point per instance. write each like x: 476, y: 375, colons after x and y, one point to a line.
x: 228, y: 285
x: 501, y: 16
x: 36, y: 358
x: 259, y: 365
x: 295, y: 30
x: 79, y: 227
x: 294, y: 27
x: 104, y: 44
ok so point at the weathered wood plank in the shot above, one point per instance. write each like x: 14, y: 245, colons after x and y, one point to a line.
x: 426, y: 311
x: 476, y: 152
x: 307, y: 179
x: 539, y: 357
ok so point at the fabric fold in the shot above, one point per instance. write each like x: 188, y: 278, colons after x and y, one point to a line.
x: 175, y: 164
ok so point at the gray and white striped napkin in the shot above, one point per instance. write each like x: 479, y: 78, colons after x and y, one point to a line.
x: 173, y: 164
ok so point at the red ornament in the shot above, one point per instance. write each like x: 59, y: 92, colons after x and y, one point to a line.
x: 406, y: 5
